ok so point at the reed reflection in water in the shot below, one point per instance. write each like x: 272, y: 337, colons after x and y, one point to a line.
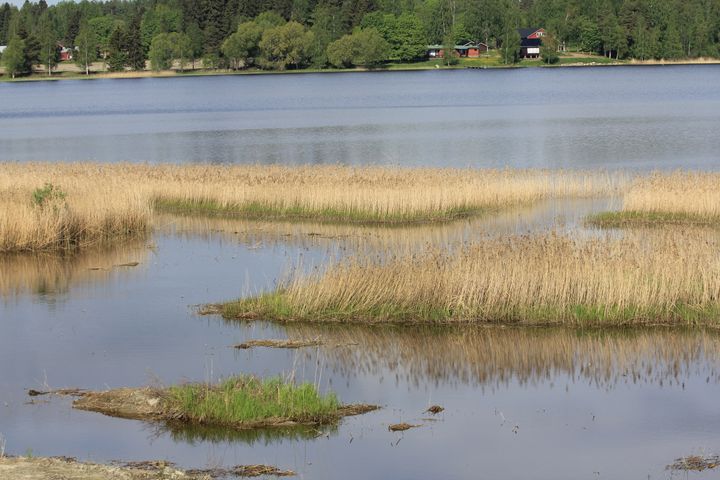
x: 52, y: 275
x: 495, y: 357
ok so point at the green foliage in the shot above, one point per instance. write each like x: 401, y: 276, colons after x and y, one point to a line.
x: 46, y: 195
x: 102, y: 28
x: 548, y: 50
x: 247, y: 399
x: 49, y: 53
x: 161, y: 19
x: 134, y: 46
x: 86, y: 42
x: 285, y: 46
x: 161, y: 52
x: 242, y: 47
x: 641, y: 29
x: 510, y: 50
x: 327, y: 26
x: 182, y: 50
x: 197, y: 41
x: 409, y: 39
x: 404, y: 34
x: 117, y: 54
x: 365, y: 48
x: 589, y: 36
x: 450, y: 56
x: 31, y: 50
x: 14, y: 57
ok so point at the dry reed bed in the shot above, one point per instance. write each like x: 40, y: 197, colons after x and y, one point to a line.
x: 670, y: 277
x: 97, y: 207
x: 103, y: 202
x: 668, y: 198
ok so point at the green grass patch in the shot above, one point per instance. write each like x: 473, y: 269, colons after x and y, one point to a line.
x: 276, y: 307
x: 247, y: 399
x: 265, y: 211
x: 625, y: 219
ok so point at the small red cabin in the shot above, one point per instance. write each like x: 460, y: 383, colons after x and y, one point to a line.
x: 66, y: 54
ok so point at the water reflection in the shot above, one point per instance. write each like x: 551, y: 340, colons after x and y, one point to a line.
x: 196, y: 434
x: 51, y: 276
x: 496, y: 357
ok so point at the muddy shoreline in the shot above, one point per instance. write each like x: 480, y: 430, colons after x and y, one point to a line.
x: 56, y: 468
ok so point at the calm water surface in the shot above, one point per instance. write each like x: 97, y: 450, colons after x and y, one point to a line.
x: 624, y: 117
x: 545, y: 404
x: 550, y: 403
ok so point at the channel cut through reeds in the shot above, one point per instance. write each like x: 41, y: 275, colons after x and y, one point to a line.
x: 99, y: 202
x: 666, y: 277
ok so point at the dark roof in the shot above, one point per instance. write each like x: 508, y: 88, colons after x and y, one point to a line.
x: 526, y: 32
x: 531, y: 42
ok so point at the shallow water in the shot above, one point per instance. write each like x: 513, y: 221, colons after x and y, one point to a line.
x: 551, y: 403
x: 619, y: 117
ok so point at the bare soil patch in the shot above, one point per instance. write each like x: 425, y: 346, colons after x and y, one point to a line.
x: 36, y: 468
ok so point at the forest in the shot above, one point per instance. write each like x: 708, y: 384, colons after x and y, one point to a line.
x: 295, y: 34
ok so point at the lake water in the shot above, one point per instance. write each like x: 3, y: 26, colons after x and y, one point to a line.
x: 520, y: 403
x: 620, y: 117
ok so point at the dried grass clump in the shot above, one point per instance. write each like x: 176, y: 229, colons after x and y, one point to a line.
x: 668, y: 278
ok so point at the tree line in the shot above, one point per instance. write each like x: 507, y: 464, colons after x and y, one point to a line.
x: 292, y: 34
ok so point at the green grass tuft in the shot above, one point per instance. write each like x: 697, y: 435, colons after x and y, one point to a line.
x: 247, y: 399
x: 263, y: 211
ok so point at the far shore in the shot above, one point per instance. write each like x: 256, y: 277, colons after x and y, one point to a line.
x: 68, y: 70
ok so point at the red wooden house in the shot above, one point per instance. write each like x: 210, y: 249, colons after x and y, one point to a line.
x: 531, y: 41
x: 468, y: 50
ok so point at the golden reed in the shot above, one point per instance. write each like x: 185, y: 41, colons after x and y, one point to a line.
x: 104, y: 201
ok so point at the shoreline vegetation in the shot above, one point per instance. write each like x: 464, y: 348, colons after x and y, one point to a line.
x: 241, y: 403
x: 667, y: 278
x: 61, y: 207
x: 565, y: 62
x: 138, y: 35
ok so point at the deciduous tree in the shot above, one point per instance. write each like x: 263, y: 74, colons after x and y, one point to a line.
x: 13, y: 57
x: 286, y: 46
x: 86, y: 44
